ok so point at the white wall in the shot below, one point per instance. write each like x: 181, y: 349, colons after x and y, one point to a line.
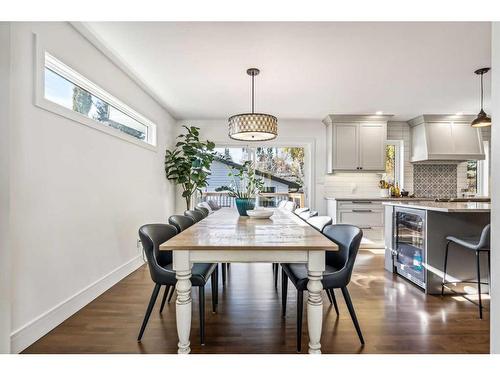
x: 495, y: 191
x: 78, y: 196
x: 4, y: 187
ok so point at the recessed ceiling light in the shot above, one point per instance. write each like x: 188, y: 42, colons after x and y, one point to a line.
x: 378, y: 113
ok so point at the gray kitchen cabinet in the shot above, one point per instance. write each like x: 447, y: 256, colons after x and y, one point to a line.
x: 356, y: 143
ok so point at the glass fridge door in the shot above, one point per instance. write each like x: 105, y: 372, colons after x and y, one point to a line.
x: 410, y: 242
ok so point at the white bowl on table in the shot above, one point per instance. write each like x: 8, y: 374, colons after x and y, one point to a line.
x: 260, y: 213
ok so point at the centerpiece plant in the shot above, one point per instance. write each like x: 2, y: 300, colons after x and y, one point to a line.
x: 244, y: 187
x: 188, y: 164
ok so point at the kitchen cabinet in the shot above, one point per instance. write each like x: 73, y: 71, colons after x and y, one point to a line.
x: 356, y: 143
x: 365, y: 214
x: 445, y: 138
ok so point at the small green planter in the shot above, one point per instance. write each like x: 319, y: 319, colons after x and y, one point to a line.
x: 244, y: 204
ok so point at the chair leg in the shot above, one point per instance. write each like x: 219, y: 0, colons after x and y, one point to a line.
x: 276, y: 276
x: 350, y: 307
x: 217, y: 285
x: 202, y: 314
x: 328, y: 295
x: 489, y: 272
x: 151, y: 304
x: 334, y: 300
x: 479, y: 285
x: 300, y: 309
x: 444, y: 267
x: 284, y: 291
x: 165, y: 294
x: 171, y: 293
x: 223, y: 266
x: 214, y: 284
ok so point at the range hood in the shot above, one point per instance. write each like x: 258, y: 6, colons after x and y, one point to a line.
x: 445, y: 138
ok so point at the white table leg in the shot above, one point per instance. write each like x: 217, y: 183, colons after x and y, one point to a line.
x: 315, y: 268
x: 183, y: 304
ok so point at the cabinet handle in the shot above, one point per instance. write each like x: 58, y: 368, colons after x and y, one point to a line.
x: 364, y: 202
x: 361, y: 210
x: 365, y: 227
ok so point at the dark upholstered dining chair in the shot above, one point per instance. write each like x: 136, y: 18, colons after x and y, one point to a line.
x: 337, y: 274
x: 203, y: 210
x: 162, y: 273
x: 180, y: 222
x: 195, y: 215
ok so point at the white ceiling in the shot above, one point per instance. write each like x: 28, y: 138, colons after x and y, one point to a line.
x: 308, y: 70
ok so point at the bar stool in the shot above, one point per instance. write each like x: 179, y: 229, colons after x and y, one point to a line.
x: 477, y: 244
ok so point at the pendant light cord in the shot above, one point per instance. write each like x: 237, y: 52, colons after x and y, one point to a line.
x: 253, y: 77
x: 482, y: 91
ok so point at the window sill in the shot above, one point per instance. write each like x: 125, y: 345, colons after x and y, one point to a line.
x: 80, y: 119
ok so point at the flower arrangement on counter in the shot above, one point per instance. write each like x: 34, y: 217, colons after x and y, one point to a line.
x: 389, y: 189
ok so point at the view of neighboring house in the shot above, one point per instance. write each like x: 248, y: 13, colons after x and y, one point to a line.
x: 219, y: 177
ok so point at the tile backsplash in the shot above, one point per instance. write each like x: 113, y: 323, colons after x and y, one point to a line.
x: 435, y: 180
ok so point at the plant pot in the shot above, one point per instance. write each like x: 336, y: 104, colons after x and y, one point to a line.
x: 384, y: 193
x: 244, y: 204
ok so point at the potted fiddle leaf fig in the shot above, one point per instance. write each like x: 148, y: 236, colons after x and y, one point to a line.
x: 188, y: 163
x: 244, y: 188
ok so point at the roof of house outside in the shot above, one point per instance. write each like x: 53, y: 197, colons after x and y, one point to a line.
x: 232, y: 164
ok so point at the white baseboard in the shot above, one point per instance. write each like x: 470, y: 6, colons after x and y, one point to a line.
x: 38, y: 327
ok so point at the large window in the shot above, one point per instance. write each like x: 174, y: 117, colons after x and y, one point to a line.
x: 280, y: 168
x: 477, y: 175
x: 67, y: 88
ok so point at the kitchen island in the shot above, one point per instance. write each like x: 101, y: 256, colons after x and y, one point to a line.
x: 415, y: 240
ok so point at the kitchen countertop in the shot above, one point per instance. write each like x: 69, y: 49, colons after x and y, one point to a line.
x: 444, y: 206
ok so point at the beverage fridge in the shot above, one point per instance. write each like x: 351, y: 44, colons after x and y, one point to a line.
x: 409, y: 245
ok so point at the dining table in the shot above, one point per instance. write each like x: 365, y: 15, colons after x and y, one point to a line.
x: 226, y: 237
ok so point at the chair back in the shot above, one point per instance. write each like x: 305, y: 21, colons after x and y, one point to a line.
x: 213, y: 204
x: 281, y: 204
x: 305, y: 215
x: 348, y: 238
x: 180, y: 222
x: 203, y: 211
x: 484, y: 240
x: 193, y: 214
x: 289, y: 206
x: 319, y: 222
x: 205, y: 205
x: 298, y: 211
x: 152, y: 236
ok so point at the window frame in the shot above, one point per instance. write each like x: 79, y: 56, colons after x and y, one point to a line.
x: 45, y: 59
x: 399, y: 159
x: 482, y: 174
x: 309, y: 146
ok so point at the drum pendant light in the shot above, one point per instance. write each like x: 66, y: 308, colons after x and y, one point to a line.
x: 253, y: 126
x: 482, y: 118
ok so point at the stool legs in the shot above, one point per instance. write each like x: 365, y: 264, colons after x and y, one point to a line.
x: 479, y: 285
x: 444, y: 268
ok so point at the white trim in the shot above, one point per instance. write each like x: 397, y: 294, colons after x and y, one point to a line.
x: 43, y: 58
x: 483, y: 170
x: 32, y: 331
x: 400, y: 160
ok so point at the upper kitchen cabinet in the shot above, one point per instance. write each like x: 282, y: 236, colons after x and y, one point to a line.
x: 445, y: 138
x: 356, y: 142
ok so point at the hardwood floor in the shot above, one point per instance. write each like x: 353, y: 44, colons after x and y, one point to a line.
x: 394, y: 315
